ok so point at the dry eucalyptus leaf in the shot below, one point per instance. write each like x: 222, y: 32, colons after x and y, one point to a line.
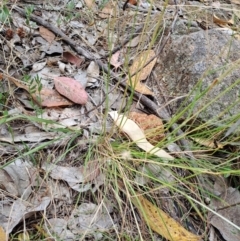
x: 84, y: 173
x: 60, y: 228
x: 80, y: 178
x: 18, y: 180
x: 142, y: 72
x: 151, y: 125
x: 71, y: 89
x: 25, y: 178
x: 89, y: 217
x: 136, y: 134
x: 140, y: 61
x: 38, y: 66
x: 71, y: 58
x: 45, y: 97
x: 37, y: 136
x: 3, y: 235
x: 115, y: 60
x: 7, y: 183
x: 225, y: 205
x: 46, y: 34
x: 51, y: 98
x: 21, y: 209
x: 93, y: 185
x: 161, y: 222
x: 222, y: 22
x: 61, y: 118
x: 133, y: 42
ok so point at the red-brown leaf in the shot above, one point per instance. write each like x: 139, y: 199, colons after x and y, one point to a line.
x: 71, y: 89
x: 46, y: 34
x: 50, y: 98
x: 69, y: 57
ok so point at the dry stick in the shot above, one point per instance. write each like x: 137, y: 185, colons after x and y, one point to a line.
x: 160, y: 112
x: 58, y: 32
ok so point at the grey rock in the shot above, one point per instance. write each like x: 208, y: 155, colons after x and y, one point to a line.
x: 202, y: 62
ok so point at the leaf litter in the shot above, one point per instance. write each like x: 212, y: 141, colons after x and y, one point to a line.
x: 136, y: 134
x: 28, y: 193
x: 161, y: 223
x: 71, y: 89
x: 142, y: 71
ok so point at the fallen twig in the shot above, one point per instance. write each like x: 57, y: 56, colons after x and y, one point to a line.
x: 58, y: 32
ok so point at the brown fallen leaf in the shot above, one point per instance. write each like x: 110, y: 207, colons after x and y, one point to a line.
x: 114, y: 60
x: 46, y: 34
x: 161, y: 222
x: 71, y: 89
x: 150, y: 124
x: 144, y: 72
x: 45, y: 97
x: 3, y: 235
x: 222, y: 22
x: 51, y: 98
x: 69, y: 57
